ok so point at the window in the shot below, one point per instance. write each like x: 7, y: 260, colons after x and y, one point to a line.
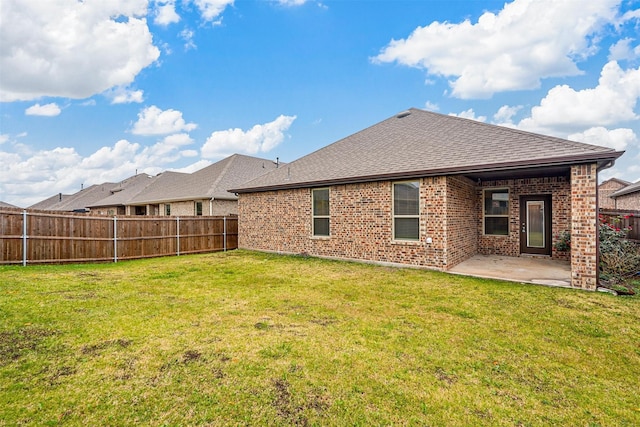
x: 496, y: 212
x: 141, y: 210
x: 199, y: 208
x: 167, y: 209
x: 406, y: 210
x: 320, y: 211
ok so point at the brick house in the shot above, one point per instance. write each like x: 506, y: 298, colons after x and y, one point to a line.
x: 431, y: 190
x: 606, y: 189
x: 201, y: 193
x: 627, y: 198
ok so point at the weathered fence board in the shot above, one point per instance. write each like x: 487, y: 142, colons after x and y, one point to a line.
x: 52, y: 237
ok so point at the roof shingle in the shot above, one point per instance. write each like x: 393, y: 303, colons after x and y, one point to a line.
x: 418, y: 142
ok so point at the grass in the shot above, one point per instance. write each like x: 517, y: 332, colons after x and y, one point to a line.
x: 243, y: 338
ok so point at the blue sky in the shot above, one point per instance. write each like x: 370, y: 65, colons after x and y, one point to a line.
x: 96, y: 91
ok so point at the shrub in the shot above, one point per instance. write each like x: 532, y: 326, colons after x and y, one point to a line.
x: 619, y: 257
x: 563, y: 242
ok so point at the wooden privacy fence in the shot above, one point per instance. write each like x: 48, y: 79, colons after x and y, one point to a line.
x: 623, y: 219
x: 30, y: 237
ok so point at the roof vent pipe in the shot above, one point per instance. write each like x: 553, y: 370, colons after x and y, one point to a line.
x: 403, y: 114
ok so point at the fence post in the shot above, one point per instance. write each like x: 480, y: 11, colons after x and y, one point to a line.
x: 178, y: 236
x: 224, y: 234
x: 115, y: 239
x: 24, y: 238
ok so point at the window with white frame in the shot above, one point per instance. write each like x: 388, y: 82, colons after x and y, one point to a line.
x: 198, y: 208
x: 320, y: 201
x: 406, y: 210
x: 496, y: 211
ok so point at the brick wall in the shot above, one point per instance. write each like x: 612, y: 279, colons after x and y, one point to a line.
x: 215, y: 208
x: 361, y: 223
x: 629, y: 201
x: 560, y: 190
x: 584, y: 226
x: 461, y: 222
x: 605, y: 190
x: 224, y: 208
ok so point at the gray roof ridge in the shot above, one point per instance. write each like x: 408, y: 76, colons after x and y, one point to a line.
x: 212, y: 187
x: 619, y: 180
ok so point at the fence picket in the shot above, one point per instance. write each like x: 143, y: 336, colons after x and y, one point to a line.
x: 30, y: 237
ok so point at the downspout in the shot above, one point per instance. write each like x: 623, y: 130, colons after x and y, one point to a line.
x: 211, y: 207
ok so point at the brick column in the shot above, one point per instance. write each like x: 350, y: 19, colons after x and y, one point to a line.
x: 584, y: 226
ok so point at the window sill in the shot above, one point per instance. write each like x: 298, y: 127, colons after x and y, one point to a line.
x: 407, y: 242
x: 320, y: 237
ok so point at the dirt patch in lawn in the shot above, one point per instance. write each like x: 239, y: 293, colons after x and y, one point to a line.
x: 13, y: 344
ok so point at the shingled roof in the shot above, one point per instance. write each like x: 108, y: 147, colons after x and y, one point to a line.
x: 418, y: 143
x: 631, y: 188
x: 77, y: 201
x: 211, y: 182
x: 121, y: 193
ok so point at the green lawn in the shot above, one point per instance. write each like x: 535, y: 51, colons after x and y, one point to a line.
x: 243, y: 338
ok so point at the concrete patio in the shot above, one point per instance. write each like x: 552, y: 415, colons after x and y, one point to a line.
x: 541, y: 271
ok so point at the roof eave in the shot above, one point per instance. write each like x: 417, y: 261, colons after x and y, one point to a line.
x: 604, y: 160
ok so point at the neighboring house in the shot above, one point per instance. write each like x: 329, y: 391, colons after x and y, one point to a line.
x: 115, y: 202
x: 203, y: 192
x: 431, y: 190
x: 76, y: 202
x: 606, y: 189
x: 627, y: 197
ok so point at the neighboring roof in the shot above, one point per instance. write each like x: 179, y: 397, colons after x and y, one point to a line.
x: 7, y: 205
x: 211, y: 182
x: 632, y: 188
x: 418, y: 143
x: 49, y: 203
x: 77, y: 201
x: 622, y: 182
x: 122, y: 192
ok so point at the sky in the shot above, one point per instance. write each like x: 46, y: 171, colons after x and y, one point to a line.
x: 96, y: 91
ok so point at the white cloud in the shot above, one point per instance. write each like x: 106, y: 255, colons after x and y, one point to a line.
x: 73, y: 49
x: 292, y: 2
x: 121, y: 95
x: 505, y: 113
x: 154, y: 121
x: 29, y: 176
x: 431, y: 106
x: 212, y: 9
x: 470, y: 114
x: 165, y: 12
x: 565, y: 109
x: 49, y: 110
x: 618, y: 139
x: 4, y: 138
x: 260, y: 138
x: 193, y: 167
x: 623, y: 50
x: 187, y: 36
x: 526, y: 41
